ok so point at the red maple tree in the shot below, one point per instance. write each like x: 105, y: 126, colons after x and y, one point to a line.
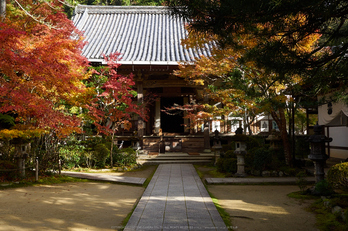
x: 41, y: 66
x: 115, y: 105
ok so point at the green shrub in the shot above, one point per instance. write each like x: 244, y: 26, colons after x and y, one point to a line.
x: 277, y: 159
x: 227, y: 165
x: 87, y: 159
x: 71, y: 153
x: 302, y: 147
x: 8, y: 170
x: 301, y: 181
x: 7, y: 150
x: 326, y: 220
x: 230, y: 154
x: 255, y: 142
x: 101, y: 152
x: 124, y: 157
x: 337, y: 176
x: 339, y: 200
x: 323, y: 188
x: 262, y: 157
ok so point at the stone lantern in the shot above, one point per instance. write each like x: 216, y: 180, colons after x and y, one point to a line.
x: 274, y: 140
x: 217, y: 147
x: 318, y: 153
x: 240, y: 141
x: 22, y: 149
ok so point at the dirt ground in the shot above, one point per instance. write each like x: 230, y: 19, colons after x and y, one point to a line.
x: 263, y: 208
x: 70, y: 206
x: 103, y: 206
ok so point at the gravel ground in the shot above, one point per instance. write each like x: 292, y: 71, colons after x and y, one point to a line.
x: 264, y: 207
x: 103, y: 206
x: 70, y: 206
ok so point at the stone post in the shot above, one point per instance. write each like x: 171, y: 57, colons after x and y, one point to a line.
x: 240, y: 140
x: 217, y: 147
x: 21, y: 155
x: 206, y: 136
x: 59, y: 166
x: 317, y: 154
x: 37, y: 168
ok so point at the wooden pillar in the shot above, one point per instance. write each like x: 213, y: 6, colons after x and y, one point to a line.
x: 186, y: 121
x: 141, y: 127
x: 157, y: 124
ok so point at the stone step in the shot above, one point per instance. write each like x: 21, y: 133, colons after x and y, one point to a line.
x: 175, y: 158
x: 154, y: 162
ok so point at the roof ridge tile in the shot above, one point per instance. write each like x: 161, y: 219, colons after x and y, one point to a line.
x: 94, y: 9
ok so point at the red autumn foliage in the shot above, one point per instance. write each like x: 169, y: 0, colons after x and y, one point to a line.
x: 116, y: 105
x: 41, y: 65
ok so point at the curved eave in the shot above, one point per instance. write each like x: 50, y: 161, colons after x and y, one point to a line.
x: 151, y: 63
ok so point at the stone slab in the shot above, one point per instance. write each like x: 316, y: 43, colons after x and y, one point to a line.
x: 106, y: 177
x: 257, y: 180
x: 182, y: 196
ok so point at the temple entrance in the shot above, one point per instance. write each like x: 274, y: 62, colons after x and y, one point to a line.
x: 173, y: 123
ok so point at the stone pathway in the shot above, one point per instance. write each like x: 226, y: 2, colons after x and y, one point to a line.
x: 106, y: 177
x: 257, y: 180
x: 175, y: 199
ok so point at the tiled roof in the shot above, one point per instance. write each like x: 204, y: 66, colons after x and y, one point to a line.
x: 142, y: 34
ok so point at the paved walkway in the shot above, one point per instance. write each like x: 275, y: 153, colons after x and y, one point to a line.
x: 257, y: 180
x: 106, y: 177
x: 175, y: 199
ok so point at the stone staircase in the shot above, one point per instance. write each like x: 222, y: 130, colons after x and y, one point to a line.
x: 175, y: 158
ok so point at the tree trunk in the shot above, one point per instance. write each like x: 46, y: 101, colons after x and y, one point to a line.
x: 206, y: 136
x: 111, y: 149
x: 2, y: 9
x: 249, y: 121
x: 281, y: 122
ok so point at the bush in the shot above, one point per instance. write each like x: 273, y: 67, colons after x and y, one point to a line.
x: 227, y: 165
x: 124, y: 157
x: 228, y: 147
x: 323, y: 188
x: 262, y: 157
x: 302, y: 147
x: 7, y: 150
x: 71, y: 155
x: 255, y: 142
x: 8, y: 171
x: 230, y: 154
x: 301, y: 181
x: 277, y: 159
x: 101, y: 152
x: 337, y: 176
